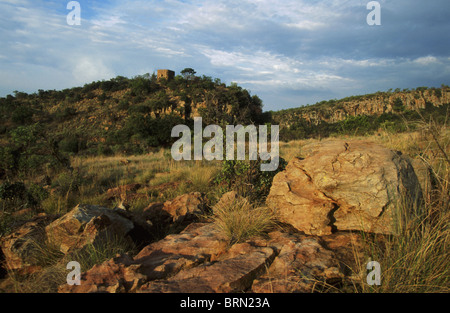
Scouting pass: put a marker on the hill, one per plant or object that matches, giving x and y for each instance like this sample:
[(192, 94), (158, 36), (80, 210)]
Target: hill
[(121, 115), (364, 114)]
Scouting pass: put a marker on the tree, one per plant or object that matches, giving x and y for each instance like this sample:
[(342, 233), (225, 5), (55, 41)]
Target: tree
[(188, 73), (398, 105)]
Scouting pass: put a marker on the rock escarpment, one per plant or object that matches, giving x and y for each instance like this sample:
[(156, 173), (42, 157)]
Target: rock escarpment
[(375, 104)]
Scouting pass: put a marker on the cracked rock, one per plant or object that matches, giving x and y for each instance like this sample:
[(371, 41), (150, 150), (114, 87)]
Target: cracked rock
[(344, 185)]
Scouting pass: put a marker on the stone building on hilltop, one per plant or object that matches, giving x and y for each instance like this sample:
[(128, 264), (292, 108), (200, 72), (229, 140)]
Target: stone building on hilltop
[(167, 74)]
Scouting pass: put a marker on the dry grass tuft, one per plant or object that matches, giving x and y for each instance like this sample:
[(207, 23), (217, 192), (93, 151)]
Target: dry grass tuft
[(241, 220)]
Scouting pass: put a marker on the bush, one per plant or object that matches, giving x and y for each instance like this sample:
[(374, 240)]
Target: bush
[(22, 115), (247, 179), (62, 114), (12, 191), (123, 105), (357, 125), (398, 105), (72, 144), (16, 195), (140, 109)]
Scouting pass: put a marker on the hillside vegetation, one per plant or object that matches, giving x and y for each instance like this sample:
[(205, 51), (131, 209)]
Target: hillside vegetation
[(122, 115)]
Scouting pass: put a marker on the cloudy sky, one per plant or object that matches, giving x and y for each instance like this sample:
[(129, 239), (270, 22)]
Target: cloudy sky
[(288, 52)]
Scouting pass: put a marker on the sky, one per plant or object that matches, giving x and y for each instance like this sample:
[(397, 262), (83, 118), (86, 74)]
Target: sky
[(288, 52)]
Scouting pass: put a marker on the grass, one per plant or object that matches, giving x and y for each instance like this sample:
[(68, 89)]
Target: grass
[(417, 259), (97, 253), (241, 220), (53, 263)]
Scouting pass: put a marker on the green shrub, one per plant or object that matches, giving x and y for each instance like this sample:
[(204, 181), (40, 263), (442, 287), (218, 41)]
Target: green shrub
[(22, 115), (63, 114), (246, 178), (17, 195), (72, 144), (398, 105)]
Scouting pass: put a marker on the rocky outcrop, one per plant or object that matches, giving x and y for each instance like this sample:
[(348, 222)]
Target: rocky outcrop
[(21, 247), (234, 273), (197, 244), (198, 260), (304, 263), (344, 185), (88, 224), (375, 104)]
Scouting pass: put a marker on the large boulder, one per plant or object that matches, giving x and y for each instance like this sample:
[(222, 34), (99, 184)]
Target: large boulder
[(344, 185), (90, 224)]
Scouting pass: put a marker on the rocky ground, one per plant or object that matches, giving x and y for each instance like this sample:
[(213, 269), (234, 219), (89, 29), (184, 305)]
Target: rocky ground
[(324, 200)]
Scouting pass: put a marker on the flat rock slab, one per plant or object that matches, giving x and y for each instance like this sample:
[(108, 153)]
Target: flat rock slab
[(230, 275)]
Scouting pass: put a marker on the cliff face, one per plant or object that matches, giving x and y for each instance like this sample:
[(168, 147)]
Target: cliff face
[(375, 104)]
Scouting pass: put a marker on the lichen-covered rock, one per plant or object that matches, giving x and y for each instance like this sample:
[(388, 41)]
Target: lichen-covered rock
[(89, 224), (344, 185), (302, 263)]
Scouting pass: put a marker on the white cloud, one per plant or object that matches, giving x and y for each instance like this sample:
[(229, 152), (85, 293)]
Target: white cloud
[(427, 60), (87, 69), (108, 21), (253, 61)]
